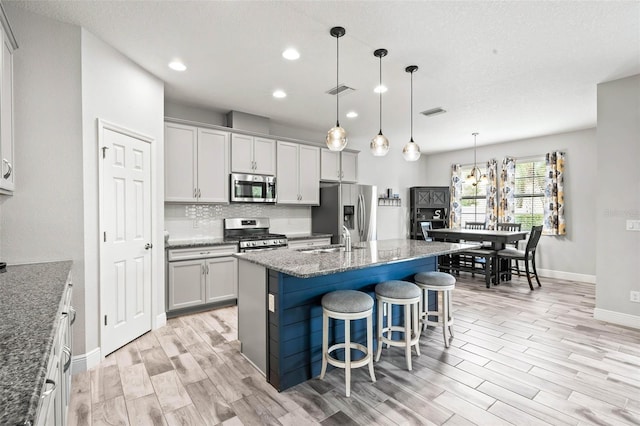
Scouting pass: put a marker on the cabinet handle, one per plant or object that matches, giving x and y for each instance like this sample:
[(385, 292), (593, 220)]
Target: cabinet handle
[(6, 175), (67, 364), (207, 269), (49, 391), (73, 313), (148, 246), (199, 193), (195, 192)]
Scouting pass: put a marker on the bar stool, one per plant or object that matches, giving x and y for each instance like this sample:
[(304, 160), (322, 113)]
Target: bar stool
[(405, 294), (347, 305), (443, 284)]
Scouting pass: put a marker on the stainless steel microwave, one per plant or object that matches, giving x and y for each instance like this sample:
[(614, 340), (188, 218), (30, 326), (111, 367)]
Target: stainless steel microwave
[(252, 188)]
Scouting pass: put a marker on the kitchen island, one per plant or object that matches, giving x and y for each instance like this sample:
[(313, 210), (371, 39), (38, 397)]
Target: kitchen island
[(279, 293)]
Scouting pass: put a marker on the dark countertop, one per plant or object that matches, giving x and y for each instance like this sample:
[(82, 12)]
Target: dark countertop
[(30, 303), (315, 263)]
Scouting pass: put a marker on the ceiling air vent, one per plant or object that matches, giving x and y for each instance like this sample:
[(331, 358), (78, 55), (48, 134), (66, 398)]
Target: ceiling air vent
[(433, 111), (341, 89)]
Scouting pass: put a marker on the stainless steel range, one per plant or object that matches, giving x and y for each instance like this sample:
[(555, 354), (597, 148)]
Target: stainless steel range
[(253, 234)]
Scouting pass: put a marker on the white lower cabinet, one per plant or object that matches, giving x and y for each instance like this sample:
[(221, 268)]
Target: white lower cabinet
[(201, 275), (56, 392)]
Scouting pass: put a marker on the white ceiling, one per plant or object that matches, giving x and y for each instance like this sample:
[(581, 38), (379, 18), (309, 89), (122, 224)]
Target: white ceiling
[(508, 70)]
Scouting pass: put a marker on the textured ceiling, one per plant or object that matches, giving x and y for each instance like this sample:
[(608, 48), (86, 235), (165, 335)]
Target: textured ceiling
[(508, 70)]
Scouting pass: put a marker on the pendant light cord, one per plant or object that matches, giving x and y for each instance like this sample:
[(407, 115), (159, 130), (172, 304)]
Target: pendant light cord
[(380, 93), (337, 80), (411, 117)]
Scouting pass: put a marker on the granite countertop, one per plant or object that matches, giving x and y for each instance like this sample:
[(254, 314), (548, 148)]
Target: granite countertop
[(315, 262), (307, 236), (175, 243), (30, 303)]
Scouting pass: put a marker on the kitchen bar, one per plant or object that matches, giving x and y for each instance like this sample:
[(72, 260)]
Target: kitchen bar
[(279, 312)]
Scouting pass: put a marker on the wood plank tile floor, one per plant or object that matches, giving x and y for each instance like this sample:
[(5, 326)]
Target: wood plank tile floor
[(518, 357)]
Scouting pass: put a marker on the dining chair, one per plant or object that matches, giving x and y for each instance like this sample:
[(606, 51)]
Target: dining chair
[(527, 255), (466, 257), (507, 226), (426, 227)]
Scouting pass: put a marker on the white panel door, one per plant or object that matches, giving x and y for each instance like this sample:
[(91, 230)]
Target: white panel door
[(242, 154), (330, 165), (264, 156), (309, 174), (213, 166), (180, 159), (287, 176), (125, 252), (222, 278)]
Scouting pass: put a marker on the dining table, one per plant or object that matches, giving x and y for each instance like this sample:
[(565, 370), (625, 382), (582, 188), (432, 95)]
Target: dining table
[(498, 240)]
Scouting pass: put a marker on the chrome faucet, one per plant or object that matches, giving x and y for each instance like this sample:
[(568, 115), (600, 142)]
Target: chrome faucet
[(346, 236)]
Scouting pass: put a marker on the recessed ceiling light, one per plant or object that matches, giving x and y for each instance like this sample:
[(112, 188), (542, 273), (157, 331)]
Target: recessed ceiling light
[(177, 66), (279, 94), (291, 54), (352, 114), (380, 89)]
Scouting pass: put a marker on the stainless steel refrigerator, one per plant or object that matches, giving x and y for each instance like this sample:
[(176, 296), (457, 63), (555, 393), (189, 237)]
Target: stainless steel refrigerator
[(351, 205)]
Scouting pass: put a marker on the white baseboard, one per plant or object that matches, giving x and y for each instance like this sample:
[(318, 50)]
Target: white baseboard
[(570, 276), (84, 362), (161, 320), (619, 318)]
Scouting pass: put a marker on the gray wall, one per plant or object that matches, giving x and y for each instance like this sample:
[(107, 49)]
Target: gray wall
[(618, 199), (117, 90), (43, 220), (572, 256)]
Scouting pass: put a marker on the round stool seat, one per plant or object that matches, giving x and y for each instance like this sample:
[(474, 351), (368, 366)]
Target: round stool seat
[(347, 301), (397, 289), (435, 279)]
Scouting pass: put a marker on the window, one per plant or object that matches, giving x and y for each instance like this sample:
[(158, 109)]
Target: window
[(473, 200), (529, 192)]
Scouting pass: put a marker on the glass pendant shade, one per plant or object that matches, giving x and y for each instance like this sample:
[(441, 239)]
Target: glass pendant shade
[(379, 145), (337, 138), (411, 151)]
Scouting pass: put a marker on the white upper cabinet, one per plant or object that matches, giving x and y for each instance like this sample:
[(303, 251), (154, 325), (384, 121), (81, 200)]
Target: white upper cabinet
[(339, 166), (298, 174), (196, 164), (349, 166), (253, 155), (7, 171), (213, 166)]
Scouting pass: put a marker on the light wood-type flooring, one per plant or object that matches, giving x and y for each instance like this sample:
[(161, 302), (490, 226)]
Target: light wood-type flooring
[(518, 357)]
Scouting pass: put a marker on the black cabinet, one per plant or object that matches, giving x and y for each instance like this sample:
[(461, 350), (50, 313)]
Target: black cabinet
[(428, 204)]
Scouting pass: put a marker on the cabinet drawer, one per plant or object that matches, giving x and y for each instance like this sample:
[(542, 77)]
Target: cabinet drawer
[(201, 252)]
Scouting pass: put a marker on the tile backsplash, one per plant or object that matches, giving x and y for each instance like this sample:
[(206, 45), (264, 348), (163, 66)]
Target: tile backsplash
[(205, 220)]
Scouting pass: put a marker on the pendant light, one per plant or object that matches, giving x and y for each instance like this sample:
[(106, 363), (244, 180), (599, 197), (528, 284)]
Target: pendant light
[(337, 136), (475, 176), (380, 144), (411, 151)]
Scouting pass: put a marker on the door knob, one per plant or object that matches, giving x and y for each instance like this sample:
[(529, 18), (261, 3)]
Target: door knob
[(148, 246)]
